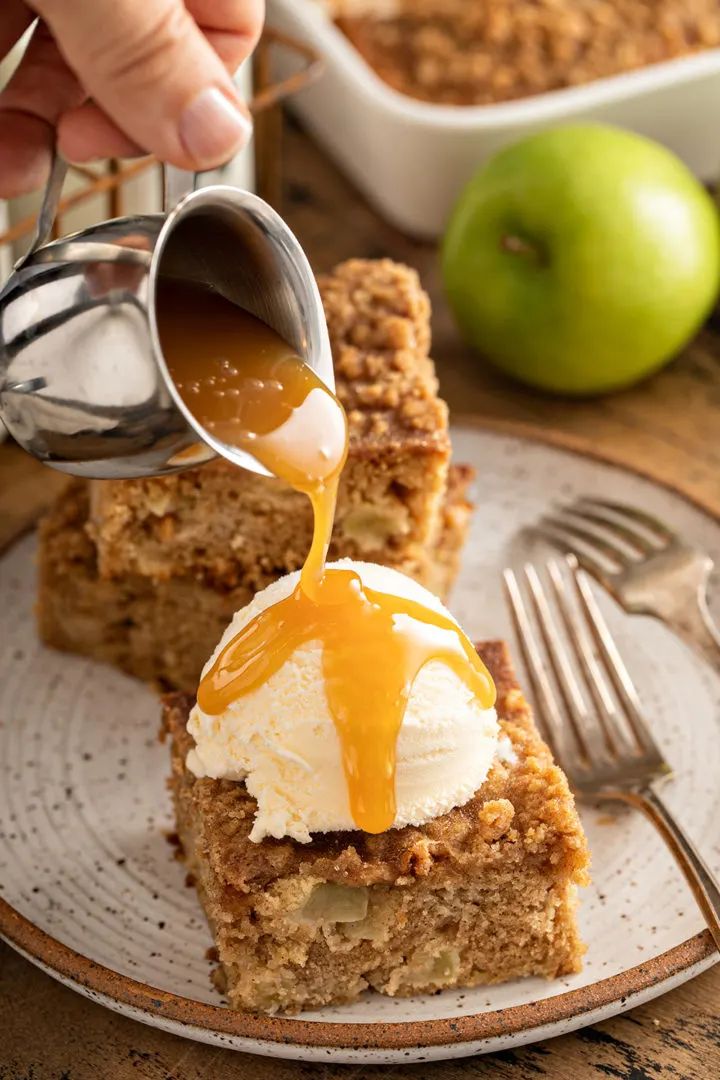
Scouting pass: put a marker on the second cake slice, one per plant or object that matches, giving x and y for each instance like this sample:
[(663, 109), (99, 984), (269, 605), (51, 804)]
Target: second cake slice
[(146, 573), (229, 526)]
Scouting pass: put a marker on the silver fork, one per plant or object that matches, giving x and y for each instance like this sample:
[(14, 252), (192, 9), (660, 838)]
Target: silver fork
[(642, 563), (598, 735)]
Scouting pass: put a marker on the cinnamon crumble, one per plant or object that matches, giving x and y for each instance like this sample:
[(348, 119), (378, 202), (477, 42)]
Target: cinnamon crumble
[(476, 52)]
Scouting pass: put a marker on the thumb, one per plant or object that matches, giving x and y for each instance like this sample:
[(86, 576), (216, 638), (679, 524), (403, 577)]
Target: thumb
[(147, 64)]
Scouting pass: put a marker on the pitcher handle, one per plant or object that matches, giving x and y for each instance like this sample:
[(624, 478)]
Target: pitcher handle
[(49, 207), (177, 183)]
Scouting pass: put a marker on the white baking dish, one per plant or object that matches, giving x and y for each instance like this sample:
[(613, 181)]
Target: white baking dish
[(412, 158)]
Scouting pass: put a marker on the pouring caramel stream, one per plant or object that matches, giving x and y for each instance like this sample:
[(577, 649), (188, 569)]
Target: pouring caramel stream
[(249, 389)]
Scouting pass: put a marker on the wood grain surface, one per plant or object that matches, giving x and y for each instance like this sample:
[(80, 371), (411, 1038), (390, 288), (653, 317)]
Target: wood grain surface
[(667, 428)]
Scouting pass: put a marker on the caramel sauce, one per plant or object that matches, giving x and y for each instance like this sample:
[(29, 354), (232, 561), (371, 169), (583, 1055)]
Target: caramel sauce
[(251, 390)]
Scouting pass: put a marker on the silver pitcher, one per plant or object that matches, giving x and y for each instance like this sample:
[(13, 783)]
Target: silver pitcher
[(84, 385)]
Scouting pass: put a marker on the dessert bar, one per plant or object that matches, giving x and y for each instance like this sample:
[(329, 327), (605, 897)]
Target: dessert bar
[(230, 526), (485, 893), (164, 631), (146, 573)]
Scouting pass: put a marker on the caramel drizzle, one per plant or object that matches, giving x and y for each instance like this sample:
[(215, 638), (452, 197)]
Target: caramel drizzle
[(369, 666), (255, 393)]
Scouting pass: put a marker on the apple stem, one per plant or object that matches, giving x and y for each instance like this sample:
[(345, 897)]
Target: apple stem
[(517, 246)]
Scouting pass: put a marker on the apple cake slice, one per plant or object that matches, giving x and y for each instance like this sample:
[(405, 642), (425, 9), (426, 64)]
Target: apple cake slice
[(164, 630), (146, 573), (483, 894), (230, 526)]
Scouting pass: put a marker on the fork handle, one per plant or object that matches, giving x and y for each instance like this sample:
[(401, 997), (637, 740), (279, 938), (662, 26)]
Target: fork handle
[(695, 625), (699, 877)]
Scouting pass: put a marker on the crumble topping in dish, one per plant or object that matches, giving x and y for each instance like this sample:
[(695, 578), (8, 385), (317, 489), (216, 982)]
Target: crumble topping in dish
[(477, 52)]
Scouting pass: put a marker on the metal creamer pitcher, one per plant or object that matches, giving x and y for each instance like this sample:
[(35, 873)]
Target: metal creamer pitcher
[(84, 385)]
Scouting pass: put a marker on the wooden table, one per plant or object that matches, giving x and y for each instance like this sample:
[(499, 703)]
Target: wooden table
[(668, 428)]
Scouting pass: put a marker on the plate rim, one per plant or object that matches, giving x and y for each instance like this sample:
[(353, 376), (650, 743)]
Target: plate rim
[(70, 966), (65, 963)]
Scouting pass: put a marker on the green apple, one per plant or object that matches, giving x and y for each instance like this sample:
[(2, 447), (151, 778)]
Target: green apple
[(581, 259)]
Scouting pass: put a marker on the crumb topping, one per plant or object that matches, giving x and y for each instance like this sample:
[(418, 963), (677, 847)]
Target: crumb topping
[(524, 811), (476, 52), (378, 319)]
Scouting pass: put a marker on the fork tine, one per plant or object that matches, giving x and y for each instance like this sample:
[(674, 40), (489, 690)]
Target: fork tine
[(565, 543), (614, 664), (618, 735), (586, 732), (549, 711), (641, 517), (639, 544), (598, 544)]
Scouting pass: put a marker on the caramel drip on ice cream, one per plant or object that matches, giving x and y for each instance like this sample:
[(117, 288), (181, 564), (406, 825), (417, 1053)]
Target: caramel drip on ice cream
[(249, 389)]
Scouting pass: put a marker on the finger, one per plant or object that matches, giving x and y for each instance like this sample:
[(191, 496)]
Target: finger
[(42, 84), (147, 64), (41, 88), (25, 153), (16, 17), (232, 27), (87, 133)]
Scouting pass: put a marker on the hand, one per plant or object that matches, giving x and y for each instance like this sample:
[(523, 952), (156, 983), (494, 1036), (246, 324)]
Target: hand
[(116, 78)]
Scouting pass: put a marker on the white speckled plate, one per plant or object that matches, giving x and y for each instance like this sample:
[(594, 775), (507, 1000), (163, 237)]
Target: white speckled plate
[(90, 891)]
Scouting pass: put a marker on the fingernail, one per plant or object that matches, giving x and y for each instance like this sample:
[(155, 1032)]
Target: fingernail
[(212, 129)]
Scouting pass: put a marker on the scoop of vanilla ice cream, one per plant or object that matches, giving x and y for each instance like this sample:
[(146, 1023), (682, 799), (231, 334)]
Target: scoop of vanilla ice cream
[(281, 740)]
